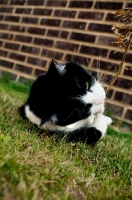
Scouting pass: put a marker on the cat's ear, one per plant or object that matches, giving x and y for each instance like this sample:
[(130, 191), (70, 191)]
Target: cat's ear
[(59, 67)]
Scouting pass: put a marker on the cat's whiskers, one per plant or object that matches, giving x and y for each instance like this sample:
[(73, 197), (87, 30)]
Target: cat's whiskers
[(106, 78), (98, 63), (104, 75), (109, 81)]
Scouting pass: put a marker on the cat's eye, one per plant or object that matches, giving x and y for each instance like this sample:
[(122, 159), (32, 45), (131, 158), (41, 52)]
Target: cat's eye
[(87, 85)]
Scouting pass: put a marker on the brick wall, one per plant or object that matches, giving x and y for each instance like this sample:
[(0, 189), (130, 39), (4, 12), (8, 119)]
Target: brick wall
[(34, 31)]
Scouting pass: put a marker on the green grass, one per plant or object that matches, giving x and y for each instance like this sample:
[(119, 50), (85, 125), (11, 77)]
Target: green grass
[(38, 168)]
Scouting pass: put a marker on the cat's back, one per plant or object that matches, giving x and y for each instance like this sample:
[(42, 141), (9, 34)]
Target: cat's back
[(38, 88)]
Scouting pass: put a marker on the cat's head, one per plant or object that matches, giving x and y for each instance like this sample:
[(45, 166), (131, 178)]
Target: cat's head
[(75, 81)]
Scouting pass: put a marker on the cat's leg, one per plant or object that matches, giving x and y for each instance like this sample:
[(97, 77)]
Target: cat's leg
[(101, 123), (92, 133), (108, 120)]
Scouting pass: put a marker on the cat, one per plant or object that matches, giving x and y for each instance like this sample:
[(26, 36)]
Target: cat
[(67, 99)]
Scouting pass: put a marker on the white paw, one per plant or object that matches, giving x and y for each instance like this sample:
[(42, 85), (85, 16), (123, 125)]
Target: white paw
[(91, 119), (108, 120), (100, 124)]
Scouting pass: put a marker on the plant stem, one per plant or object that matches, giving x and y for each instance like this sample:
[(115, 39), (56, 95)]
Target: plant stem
[(121, 64)]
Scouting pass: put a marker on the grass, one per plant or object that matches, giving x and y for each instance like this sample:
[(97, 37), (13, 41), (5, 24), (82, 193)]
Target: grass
[(40, 167)]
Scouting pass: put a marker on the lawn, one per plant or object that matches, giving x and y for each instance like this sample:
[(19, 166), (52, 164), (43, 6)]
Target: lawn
[(34, 166)]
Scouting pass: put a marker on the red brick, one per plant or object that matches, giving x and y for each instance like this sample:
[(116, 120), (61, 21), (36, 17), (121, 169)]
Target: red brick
[(128, 58), (108, 5), (3, 53), (53, 33), (6, 64), (23, 38), (128, 71), (3, 1), (23, 10), (100, 28), (78, 59), (57, 33), (36, 61), (23, 69), (107, 66), (64, 13), (17, 2), (57, 3), (6, 9), (73, 24), (12, 18), (38, 31), (115, 55), (50, 22), (17, 56), (6, 36), (83, 37), (123, 97), (110, 17), (17, 28), (3, 26), (39, 72), (93, 51), (63, 34), (66, 46), (109, 94), (12, 46), (128, 5), (124, 83), (42, 11), (43, 42), (91, 15), (80, 4), (114, 109), (1, 43), (128, 114), (35, 2), (104, 40), (1, 17), (52, 54), (30, 20), (32, 50)]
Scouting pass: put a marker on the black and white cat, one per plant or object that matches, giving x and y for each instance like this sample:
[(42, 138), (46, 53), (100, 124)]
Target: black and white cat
[(68, 99)]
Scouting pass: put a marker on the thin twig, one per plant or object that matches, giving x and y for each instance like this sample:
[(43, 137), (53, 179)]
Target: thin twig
[(124, 34), (120, 66)]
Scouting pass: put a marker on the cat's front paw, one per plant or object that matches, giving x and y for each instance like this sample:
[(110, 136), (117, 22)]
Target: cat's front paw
[(91, 119), (100, 123), (108, 120)]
